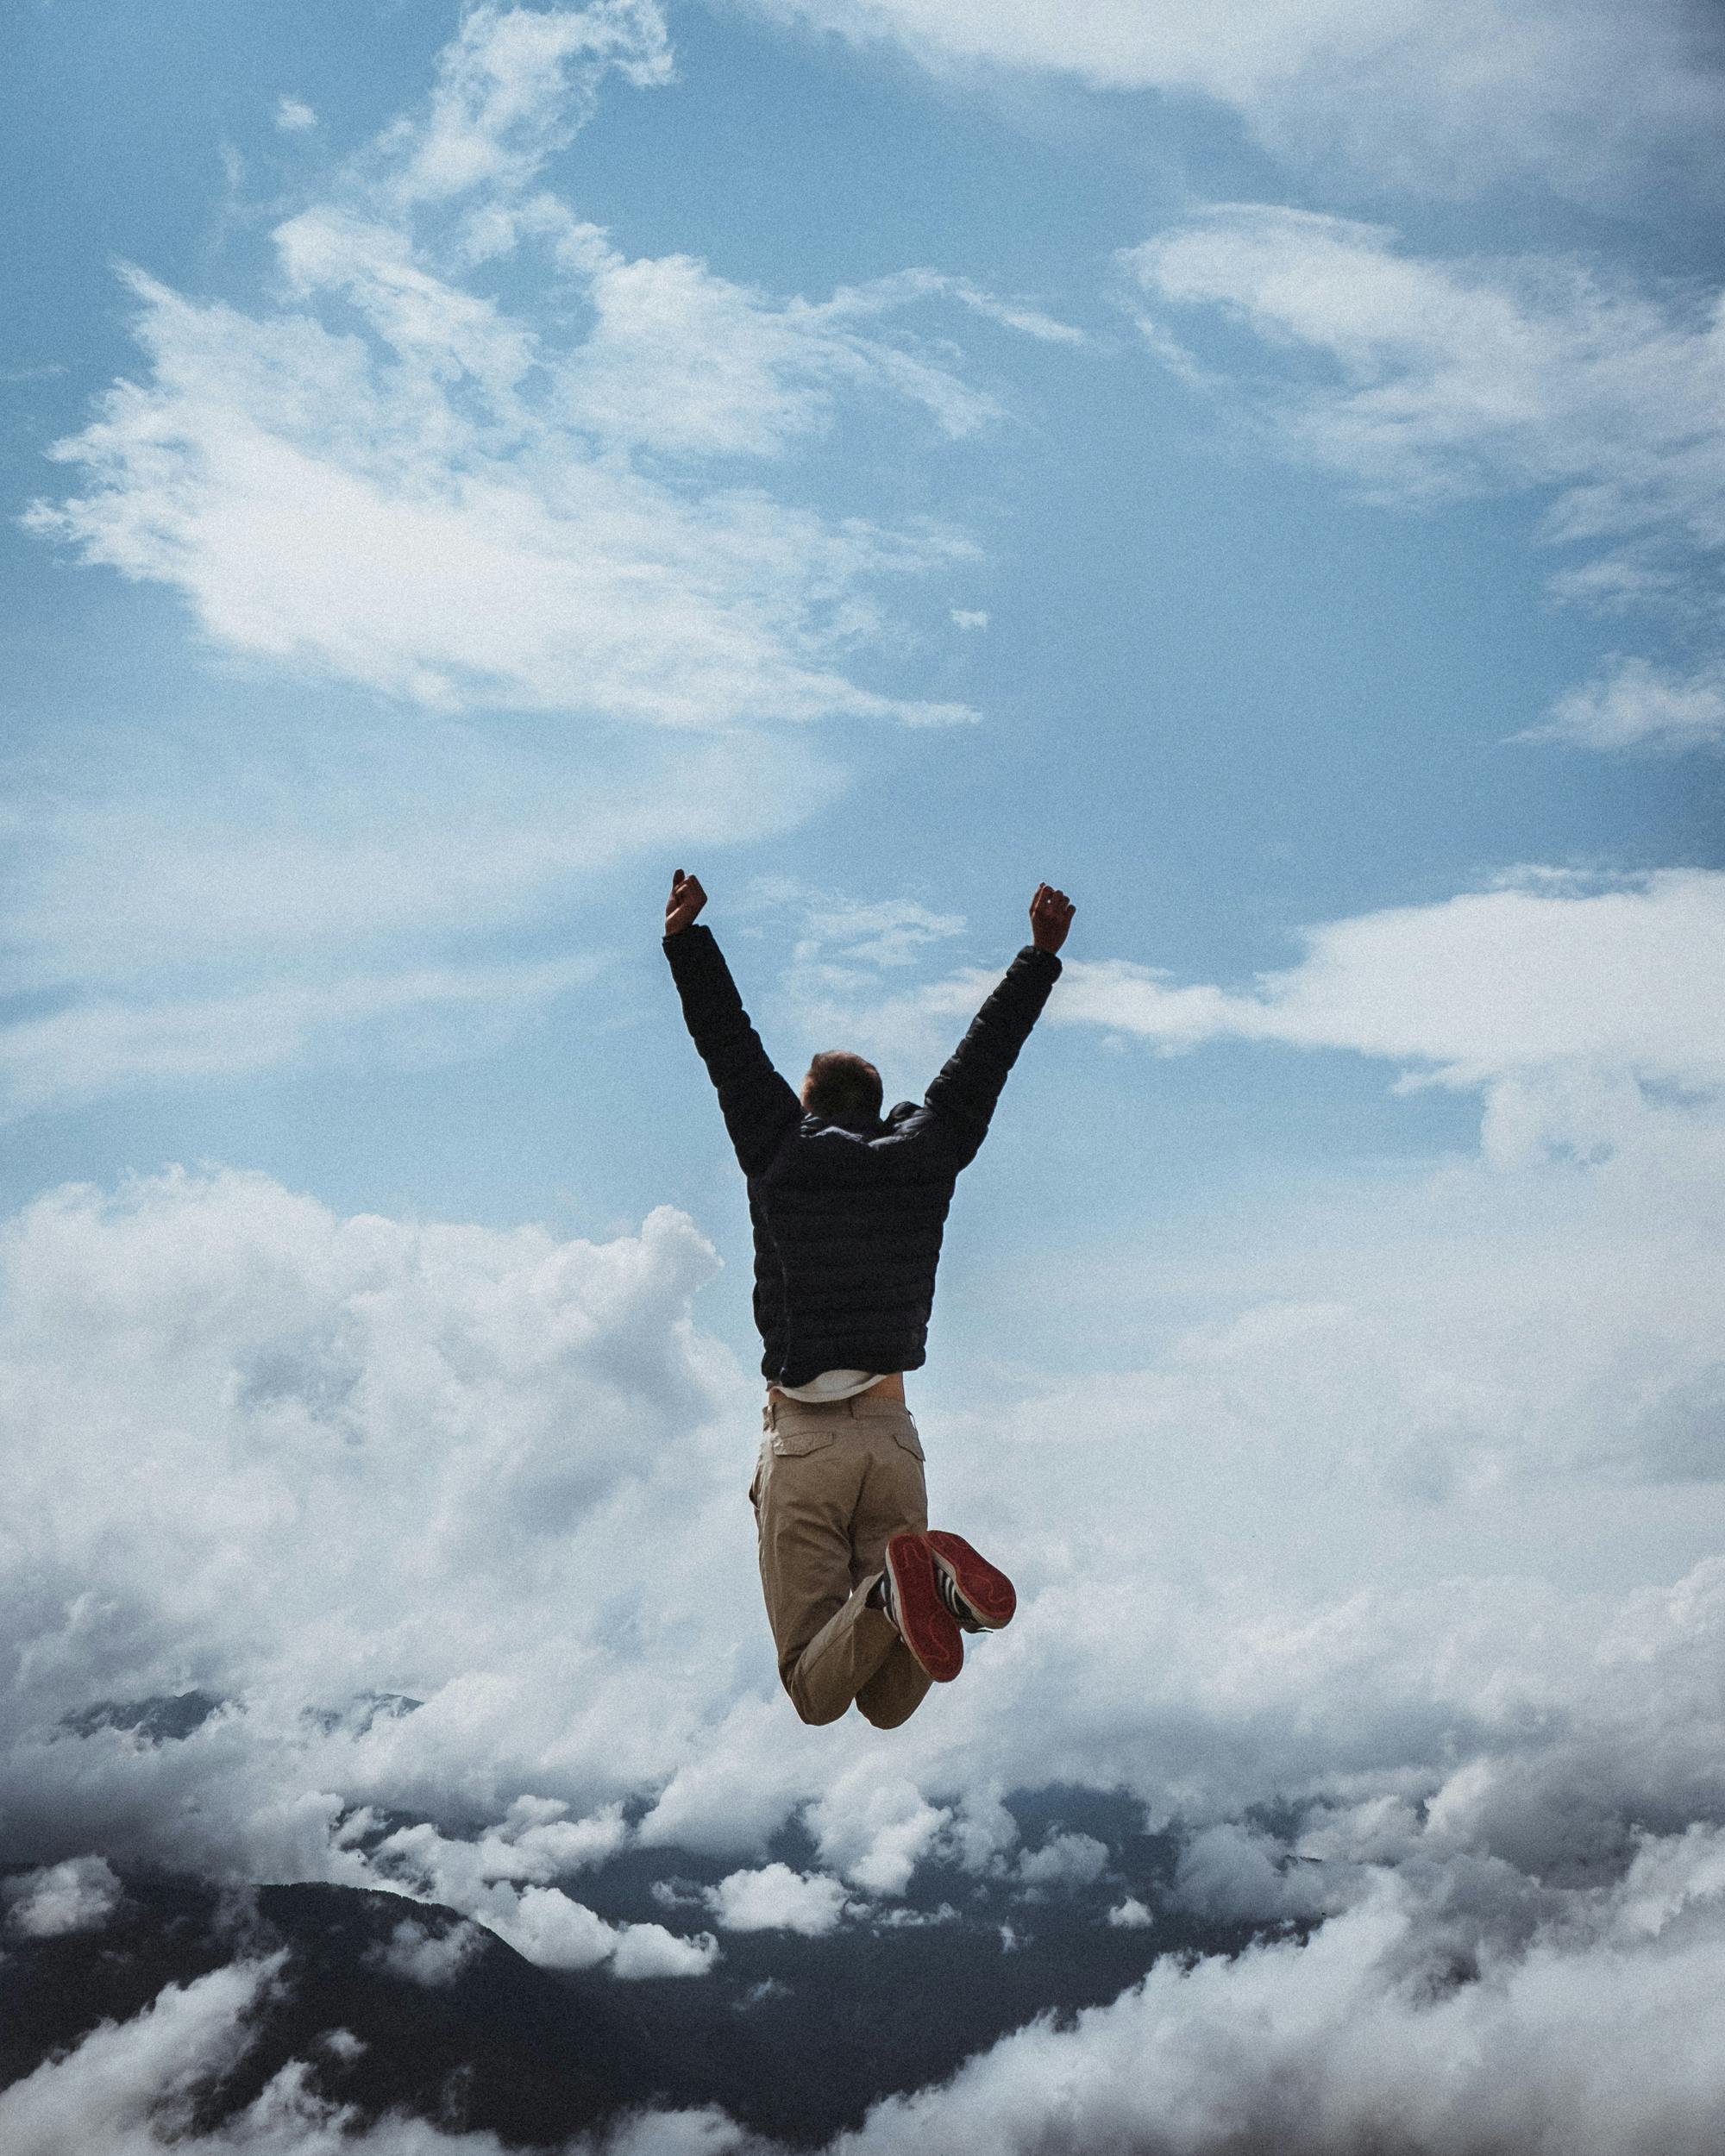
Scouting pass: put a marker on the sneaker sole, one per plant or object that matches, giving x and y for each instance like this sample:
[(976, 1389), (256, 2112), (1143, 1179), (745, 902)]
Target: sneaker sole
[(925, 1624), (990, 1594)]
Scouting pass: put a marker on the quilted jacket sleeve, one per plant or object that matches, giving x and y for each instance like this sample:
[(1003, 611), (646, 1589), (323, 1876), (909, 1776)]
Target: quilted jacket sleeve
[(757, 1103), (964, 1094)]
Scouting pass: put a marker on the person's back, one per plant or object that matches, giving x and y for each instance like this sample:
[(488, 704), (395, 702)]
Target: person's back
[(848, 1211)]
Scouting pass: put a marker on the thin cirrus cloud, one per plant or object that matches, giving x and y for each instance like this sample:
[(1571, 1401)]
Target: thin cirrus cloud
[(1428, 381), (104, 1044), (184, 912), (1449, 379), (1632, 704), (1432, 98), (454, 507)]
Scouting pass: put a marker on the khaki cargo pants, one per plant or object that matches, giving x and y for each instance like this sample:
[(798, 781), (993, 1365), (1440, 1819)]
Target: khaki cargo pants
[(833, 1483)]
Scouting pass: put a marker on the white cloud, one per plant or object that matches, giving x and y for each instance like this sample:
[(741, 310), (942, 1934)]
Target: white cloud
[(377, 474), (1632, 704), (1553, 995), (1576, 2019), (385, 478), (364, 1458), (777, 1899), (435, 1013), (178, 910), (174, 861), (326, 510), (842, 947), (293, 116), (131, 2088), (294, 1459), (1444, 377), (79, 1895), (428, 1956), (122, 2082), (1064, 1860), (1588, 2036), (1440, 97), (875, 1826), (1130, 1915), (514, 85), (1561, 996), (649, 1950)]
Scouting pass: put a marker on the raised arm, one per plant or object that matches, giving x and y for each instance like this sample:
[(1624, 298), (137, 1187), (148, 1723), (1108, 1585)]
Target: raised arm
[(757, 1103), (969, 1084)]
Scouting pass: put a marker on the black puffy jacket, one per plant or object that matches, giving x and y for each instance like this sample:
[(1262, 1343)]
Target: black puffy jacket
[(847, 1220)]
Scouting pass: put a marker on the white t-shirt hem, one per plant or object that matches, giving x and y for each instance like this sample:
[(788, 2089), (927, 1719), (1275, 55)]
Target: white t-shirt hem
[(832, 1385)]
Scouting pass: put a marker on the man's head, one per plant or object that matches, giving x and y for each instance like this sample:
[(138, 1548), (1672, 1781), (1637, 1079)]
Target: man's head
[(842, 1088)]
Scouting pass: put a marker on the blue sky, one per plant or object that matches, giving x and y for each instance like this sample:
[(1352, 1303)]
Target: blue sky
[(1260, 469), (1222, 697)]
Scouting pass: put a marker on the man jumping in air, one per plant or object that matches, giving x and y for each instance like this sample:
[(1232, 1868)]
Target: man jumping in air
[(866, 1603)]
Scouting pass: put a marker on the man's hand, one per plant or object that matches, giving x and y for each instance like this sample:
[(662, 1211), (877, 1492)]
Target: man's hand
[(1051, 916), (686, 900)]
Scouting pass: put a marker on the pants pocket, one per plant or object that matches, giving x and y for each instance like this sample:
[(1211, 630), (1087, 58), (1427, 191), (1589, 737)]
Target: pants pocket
[(791, 1445)]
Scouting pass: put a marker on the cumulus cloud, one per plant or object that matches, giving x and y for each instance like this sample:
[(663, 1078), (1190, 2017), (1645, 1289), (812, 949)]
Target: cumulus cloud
[(79, 1895), (432, 1955), (348, 1472), (449, 1522), (1588, 2036), (1429, 96), (1584, 2027), (293, 116), (777, 1899), (1632, 705), (1064, 1860), (131, 2088)]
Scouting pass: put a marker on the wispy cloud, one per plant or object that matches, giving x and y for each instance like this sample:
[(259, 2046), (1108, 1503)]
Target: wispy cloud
[(386, 476), (1438, 378), (1443, 98), (379, 475), (1631, 704), (104, 1044), (1426, 380)]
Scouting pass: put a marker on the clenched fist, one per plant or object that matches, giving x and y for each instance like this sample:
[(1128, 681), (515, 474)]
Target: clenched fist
[(1051, 916), (686, 900)]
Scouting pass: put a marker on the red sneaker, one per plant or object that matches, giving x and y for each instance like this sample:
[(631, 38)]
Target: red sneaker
[(980, 1596), (912, 1596)]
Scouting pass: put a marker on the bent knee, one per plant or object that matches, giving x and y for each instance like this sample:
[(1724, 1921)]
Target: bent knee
[(816, 1716), (889, 1717)]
